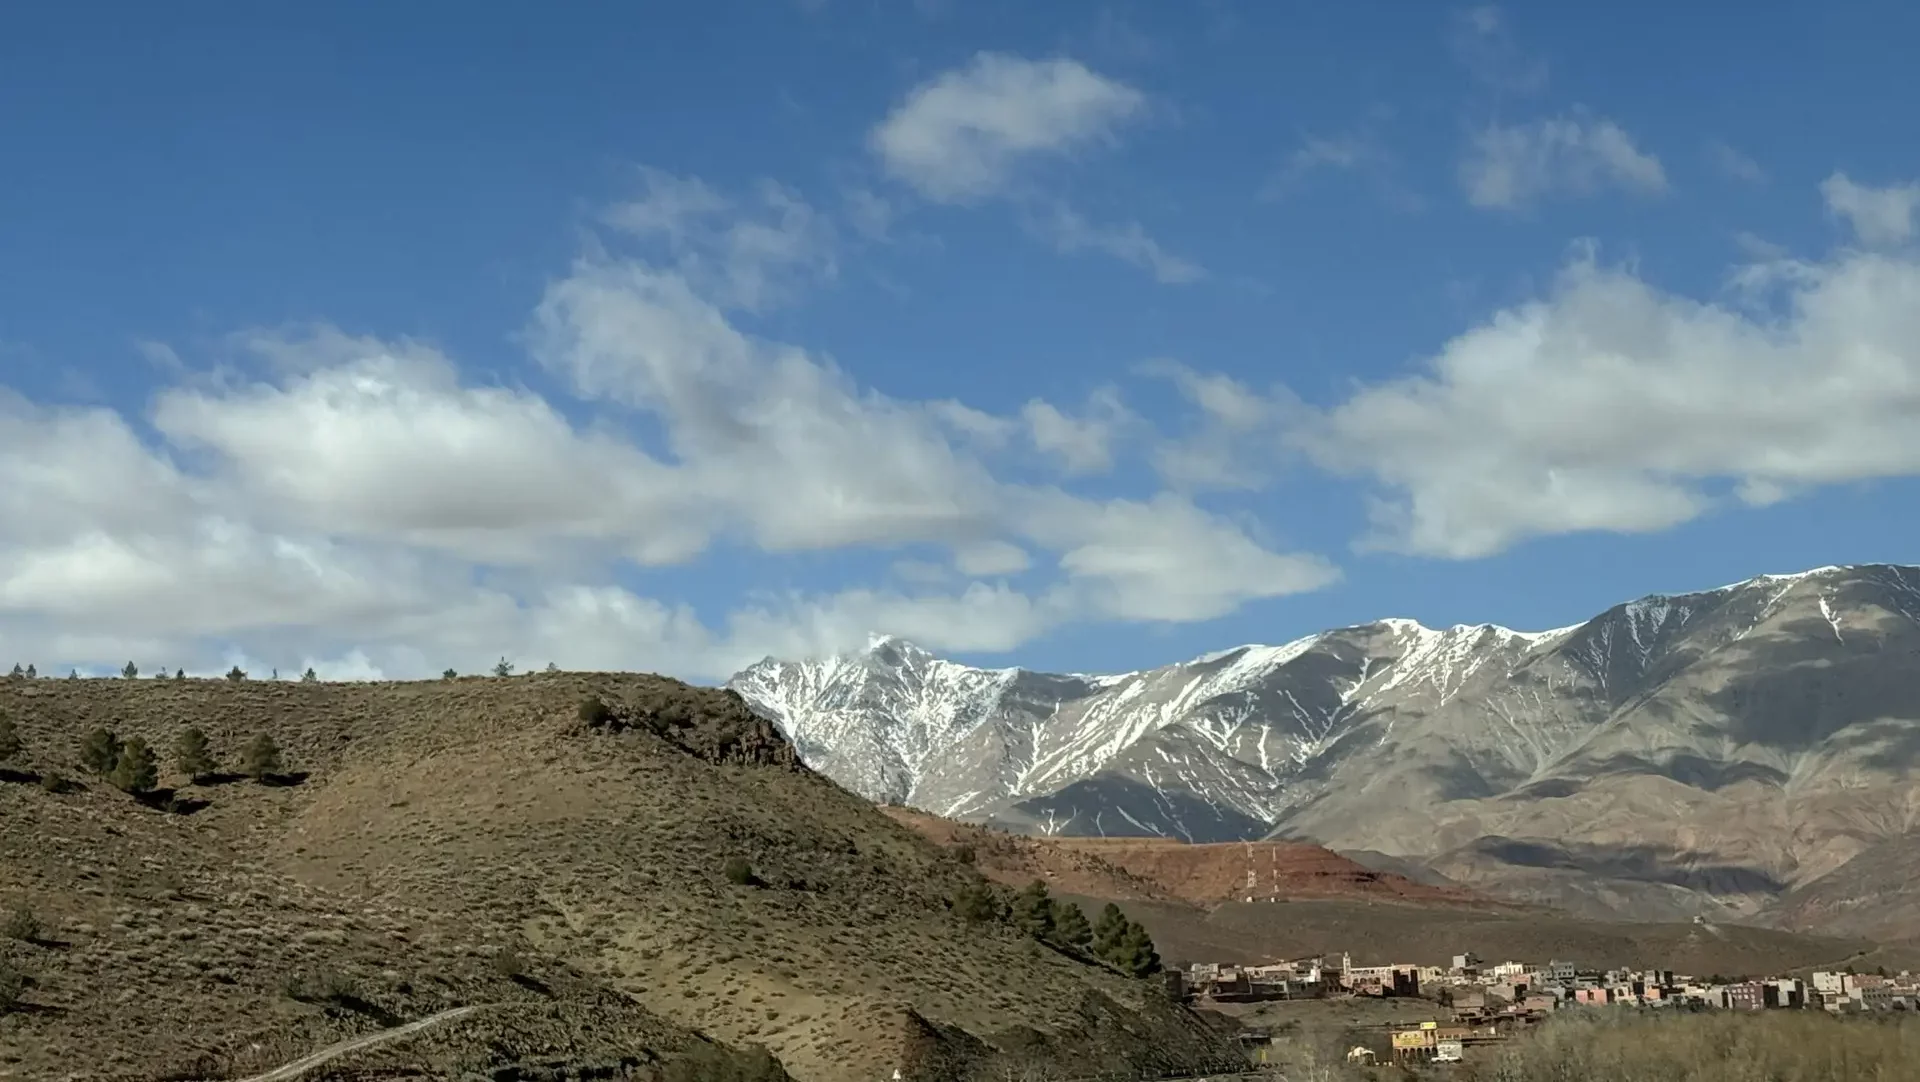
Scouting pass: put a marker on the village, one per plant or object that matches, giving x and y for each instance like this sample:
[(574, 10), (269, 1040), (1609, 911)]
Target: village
[(1476, 1002)]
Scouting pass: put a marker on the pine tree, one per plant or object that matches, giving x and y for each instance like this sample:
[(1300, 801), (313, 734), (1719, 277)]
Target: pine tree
[(552, 667), (1033, 910), (131, 671), (17, 670), (191, 755), (9, 739), (975, 903), (73, 674), (179, 674), (1108, 929), (503, 668), (100, 751), (136, 772), (1134, 954), (309, 677), (31, 671), (448, 675), (1070, 927), (263, 758), (236, 674)]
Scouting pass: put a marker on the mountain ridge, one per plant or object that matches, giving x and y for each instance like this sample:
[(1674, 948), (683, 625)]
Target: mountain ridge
[(1709, 703)]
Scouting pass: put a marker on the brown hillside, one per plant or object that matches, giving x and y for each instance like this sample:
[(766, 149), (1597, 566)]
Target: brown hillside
[(477, 842), (1159, 869)]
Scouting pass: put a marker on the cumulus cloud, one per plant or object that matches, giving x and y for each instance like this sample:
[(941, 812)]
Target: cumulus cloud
[(362, 505), (1509, 167), (961, 135), (1609, 404), (1878, 216)]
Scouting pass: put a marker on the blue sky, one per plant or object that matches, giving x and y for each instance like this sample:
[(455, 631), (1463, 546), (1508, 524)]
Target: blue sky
[(388, 337)]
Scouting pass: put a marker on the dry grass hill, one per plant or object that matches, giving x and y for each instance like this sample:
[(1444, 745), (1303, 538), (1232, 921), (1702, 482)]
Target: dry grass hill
[(485, 842)]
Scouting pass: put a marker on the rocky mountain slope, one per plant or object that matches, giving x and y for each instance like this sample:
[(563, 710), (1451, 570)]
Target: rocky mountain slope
[(624, 874), (1698, 754)]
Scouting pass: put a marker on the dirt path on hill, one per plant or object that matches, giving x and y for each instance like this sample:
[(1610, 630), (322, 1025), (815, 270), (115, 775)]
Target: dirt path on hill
[(307, 1063)]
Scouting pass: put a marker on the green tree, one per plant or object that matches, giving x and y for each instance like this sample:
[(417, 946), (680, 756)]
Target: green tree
[(1134, 954), (17, 670), (100, 751), (739, 870), (503, 667), (448, 675), (179, 674), (1032, 910), (191, 755), (1070, 927), (551, 667), (136, 772), (9, 739), (976, 903), (1107, 930), (236, 674), (31, 671), (309, 677), (131, 671), (262, 758)]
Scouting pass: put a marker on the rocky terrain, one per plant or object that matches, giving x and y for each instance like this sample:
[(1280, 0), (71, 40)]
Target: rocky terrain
[(624, 876), (1725, 754)]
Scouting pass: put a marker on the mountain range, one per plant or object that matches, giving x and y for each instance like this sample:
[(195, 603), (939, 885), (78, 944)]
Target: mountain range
[(1743, 753)]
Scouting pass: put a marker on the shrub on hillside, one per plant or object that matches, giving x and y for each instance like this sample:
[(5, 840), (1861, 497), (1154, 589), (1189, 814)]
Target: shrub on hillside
[(100, 751), (136, 771), (595, 712), (51, 782), (309, 677), (739, 870), (236, 674), (191, 756), (9, 739), (262, 758), (13, 985), (22, 925)]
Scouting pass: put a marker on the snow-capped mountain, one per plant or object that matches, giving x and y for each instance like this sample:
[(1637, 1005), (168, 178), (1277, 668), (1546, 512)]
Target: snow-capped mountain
[(1675, 754)]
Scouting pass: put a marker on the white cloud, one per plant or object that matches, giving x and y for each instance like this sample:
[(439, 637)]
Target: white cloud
[(1735, 164), (1610, 405), (1081, 444), (1878, 216), (1511, 167), (362, 506), (991, 559), (961, 136), (1128, 242)]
